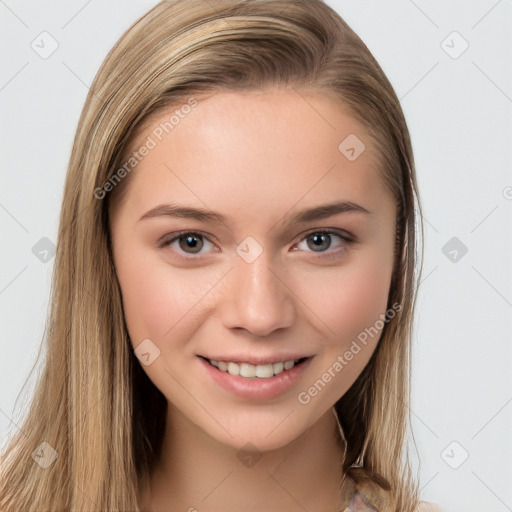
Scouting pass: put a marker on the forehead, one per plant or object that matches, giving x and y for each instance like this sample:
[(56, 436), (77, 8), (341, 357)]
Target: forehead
[(248, 151)]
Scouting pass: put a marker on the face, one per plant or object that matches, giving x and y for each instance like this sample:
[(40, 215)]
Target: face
[(269, 273)]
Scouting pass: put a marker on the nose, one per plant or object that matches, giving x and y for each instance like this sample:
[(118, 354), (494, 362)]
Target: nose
[(256, 298)]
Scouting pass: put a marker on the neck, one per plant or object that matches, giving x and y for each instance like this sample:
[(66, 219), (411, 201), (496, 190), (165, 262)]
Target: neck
[(196, 472)]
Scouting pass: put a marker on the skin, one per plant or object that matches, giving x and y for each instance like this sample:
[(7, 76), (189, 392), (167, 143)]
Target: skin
[(257, 158)]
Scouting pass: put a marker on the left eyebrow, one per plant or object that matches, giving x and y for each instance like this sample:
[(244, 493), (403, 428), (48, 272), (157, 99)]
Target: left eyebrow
[(327, 210), (302, 217)]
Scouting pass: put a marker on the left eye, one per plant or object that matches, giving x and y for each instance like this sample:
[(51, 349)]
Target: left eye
[(194, 242), (323, 239)]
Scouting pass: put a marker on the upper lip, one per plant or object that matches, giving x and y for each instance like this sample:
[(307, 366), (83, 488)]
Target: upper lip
[(258, 360)]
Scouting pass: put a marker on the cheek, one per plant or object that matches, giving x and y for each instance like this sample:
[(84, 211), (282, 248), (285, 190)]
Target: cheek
[(350, 298), (144, 308), (349, 303), (157, 302), (151, 303)]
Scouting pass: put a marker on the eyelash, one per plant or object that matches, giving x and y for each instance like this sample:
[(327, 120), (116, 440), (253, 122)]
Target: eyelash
[(322, 231)]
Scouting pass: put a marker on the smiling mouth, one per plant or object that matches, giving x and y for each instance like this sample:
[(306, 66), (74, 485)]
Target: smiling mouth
[(251, 371)]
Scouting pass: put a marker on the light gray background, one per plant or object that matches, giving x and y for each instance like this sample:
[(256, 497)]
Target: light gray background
[(459, 110)]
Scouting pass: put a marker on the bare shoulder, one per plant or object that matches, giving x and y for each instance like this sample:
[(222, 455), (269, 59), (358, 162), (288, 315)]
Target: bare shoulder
[(426, 506)]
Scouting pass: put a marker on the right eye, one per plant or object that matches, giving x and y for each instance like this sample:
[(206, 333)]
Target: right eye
[(186, 240)]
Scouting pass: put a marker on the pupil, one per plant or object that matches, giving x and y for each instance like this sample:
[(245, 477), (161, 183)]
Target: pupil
[(318, 238), (192, 243)]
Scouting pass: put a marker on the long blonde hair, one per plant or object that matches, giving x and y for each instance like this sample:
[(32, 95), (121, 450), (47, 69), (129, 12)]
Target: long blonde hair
[(93, 404)]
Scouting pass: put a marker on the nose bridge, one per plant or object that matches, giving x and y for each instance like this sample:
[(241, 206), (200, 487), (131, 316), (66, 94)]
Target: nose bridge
[(256, 298)]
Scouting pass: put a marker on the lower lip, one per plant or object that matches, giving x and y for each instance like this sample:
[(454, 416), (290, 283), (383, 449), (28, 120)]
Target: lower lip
[(256, 388)]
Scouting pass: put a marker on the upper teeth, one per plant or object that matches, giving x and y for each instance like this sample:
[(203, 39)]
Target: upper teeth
[(263, 371)]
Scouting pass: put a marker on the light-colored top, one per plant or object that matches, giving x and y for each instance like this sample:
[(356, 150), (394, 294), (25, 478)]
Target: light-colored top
[(359, 502)]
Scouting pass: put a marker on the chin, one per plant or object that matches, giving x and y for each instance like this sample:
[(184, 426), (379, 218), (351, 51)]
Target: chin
[(263, 432)]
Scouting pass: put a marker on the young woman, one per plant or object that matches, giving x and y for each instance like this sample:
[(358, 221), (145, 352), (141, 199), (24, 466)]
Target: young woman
[(235, 276)]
